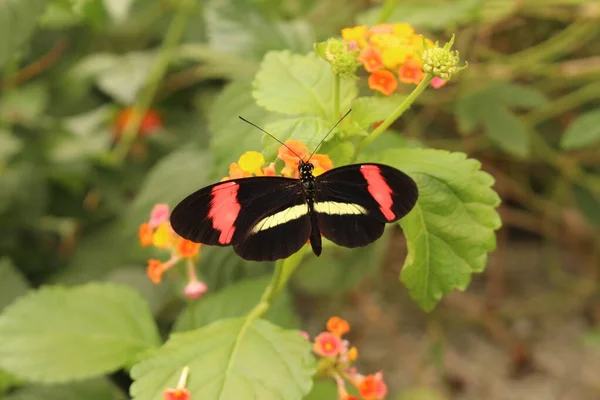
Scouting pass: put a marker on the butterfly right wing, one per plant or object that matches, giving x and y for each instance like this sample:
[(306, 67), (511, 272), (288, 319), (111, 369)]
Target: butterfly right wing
[(264, 218)]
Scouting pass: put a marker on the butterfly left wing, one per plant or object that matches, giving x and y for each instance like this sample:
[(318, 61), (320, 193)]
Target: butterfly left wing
[(263, 218), (353, 203)]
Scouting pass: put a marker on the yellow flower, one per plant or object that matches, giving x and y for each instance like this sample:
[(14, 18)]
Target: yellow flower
[(392, 57), (162, 236), (356, 34), (252, 162), (403, 29)]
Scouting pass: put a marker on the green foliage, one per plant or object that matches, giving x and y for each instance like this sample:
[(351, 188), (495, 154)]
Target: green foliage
[(25, 104), (230, 359), (237, 300), (582, 132), (12, 283), (451, 229), (97, 389), (17, 22), (492, 107), (295, 84), (57, 334)]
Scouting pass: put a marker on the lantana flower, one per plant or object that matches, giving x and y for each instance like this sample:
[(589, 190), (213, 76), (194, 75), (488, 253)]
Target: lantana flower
[(252, 163), (336, 361), (180, 392), (390, 53), (150, 122), (157, 232)]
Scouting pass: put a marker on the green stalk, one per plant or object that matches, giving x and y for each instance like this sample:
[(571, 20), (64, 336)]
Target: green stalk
[(159, 68), (336, 96), (386, 11), (395, 115)]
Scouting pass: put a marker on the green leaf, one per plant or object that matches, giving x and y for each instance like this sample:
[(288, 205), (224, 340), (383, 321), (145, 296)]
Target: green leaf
[(507, 130), (368, 110), (135, 277), (57, 334), (173, 178), (9, 145), (230, 359), (230, 136), (18, 19), (237, 27), (308, 130), (12, 283), (300, 84), (221, 267), (517, 95), (97, 389), (435, 15), (118, 9), (23, 196), (451, 228), (339, 269), (582, 132), (24, 103), (588, 203), (235, 301), (126, 78), (7, 381)]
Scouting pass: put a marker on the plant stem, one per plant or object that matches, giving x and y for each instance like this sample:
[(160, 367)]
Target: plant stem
[(159, 68), (336, 96), (386, 11), (395, 115), (281, 275)]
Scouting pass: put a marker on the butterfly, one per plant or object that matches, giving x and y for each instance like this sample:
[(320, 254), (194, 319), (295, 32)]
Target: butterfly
[(270, 218)]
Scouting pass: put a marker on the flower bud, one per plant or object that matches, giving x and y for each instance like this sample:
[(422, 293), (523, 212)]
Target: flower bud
[(441, 61), (341, 55)]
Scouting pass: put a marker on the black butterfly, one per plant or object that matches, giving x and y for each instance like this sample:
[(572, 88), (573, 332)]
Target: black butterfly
[(269, 218)]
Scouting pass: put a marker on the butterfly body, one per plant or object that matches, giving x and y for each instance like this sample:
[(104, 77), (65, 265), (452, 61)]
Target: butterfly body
[(269, 218)]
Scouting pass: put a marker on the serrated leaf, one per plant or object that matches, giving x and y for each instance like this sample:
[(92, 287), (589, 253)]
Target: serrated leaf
[(235, 301), (230, 136), (97, 389), (174, 177), (24, 103), (506, 130), (12, 283), (237, 27), (339, 269), (308, 130), (451, 228), (230, 359), (368, 110), (57, 334), (582, 132), (295, 84), (18, 19)]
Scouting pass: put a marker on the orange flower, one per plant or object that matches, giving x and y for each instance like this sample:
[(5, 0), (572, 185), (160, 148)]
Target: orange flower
[(371, 59), (176, 394), (151, 121), (236, 172), (352, 354), (383, 81), (322, 163), (338, 326), (327, 344), (411, 72), (288, 157), (270, 170), (372, 387), (145, 235), (187, 248), (155, 270)]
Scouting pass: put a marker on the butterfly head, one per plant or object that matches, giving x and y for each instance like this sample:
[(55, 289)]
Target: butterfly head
[(305, 169)]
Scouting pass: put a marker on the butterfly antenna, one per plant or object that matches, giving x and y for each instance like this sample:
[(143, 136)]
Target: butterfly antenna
[(331, 130), (261, 129)]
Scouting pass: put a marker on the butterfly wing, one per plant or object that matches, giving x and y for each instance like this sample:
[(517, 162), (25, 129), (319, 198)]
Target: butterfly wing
[(353, 203), (263, 218)]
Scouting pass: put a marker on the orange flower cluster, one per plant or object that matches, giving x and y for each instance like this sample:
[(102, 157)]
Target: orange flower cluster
[(157, 232), (252, 163), (387, 51), (337, 358), (180, 392)]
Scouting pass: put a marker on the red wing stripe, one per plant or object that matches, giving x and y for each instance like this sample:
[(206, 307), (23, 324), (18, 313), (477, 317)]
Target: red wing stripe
[(224, 210), (379, 189)]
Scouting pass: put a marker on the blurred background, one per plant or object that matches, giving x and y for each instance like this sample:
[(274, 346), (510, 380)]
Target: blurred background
[(74, 189)]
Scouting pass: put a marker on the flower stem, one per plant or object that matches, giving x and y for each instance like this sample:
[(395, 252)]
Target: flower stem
[(336, 96), (156, 74), (386, 11), (395, 115)]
